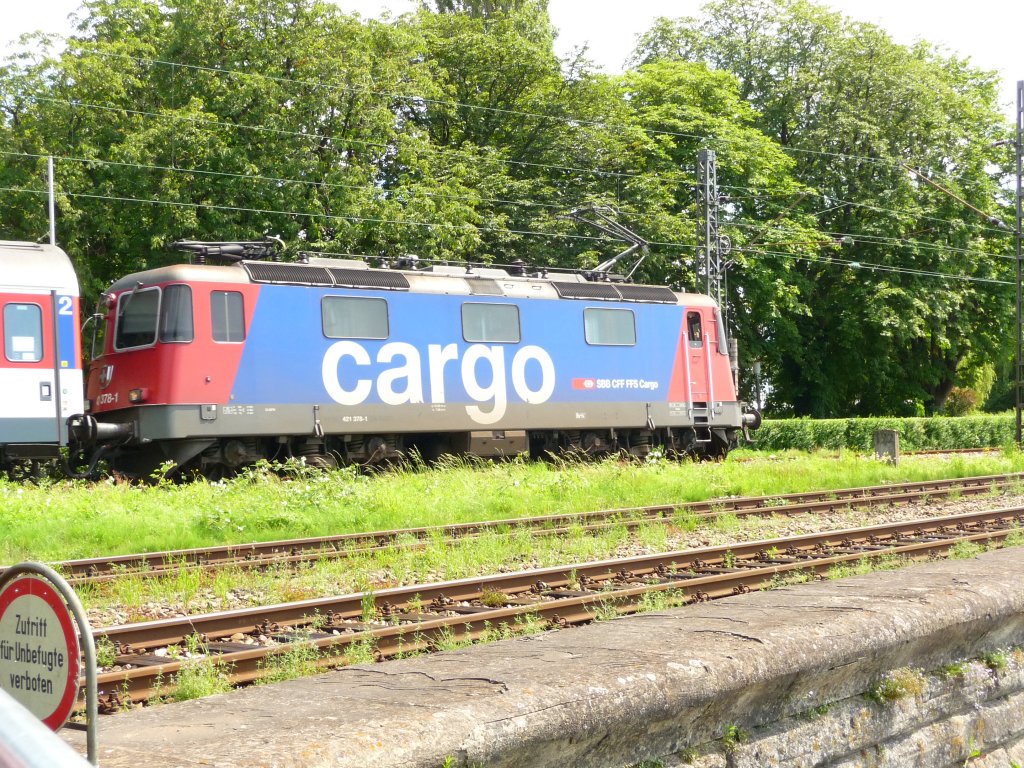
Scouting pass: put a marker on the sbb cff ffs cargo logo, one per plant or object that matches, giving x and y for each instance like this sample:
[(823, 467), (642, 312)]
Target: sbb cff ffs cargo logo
[(38, 650)]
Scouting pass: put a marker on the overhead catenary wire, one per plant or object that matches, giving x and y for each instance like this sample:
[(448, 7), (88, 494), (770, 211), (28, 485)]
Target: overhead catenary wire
[(335, 216), (855, 264), (392, 194), (845, 263), (764, 195), (874, 240)]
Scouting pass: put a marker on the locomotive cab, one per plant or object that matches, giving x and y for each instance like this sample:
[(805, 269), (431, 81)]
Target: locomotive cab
[(40, 372)]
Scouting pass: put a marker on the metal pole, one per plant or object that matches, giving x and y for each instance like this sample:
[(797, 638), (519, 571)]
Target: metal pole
[(1020, 269), (53, 218)]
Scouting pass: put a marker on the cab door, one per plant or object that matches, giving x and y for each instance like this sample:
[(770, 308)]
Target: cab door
[(27, 370), (697, 353)]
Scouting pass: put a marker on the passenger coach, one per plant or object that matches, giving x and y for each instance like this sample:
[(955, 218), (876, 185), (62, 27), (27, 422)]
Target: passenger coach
[(40, 368), (213, 367)]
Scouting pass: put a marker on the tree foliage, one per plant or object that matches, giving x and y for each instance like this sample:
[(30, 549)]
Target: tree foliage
[(456, 132), (857, 112)]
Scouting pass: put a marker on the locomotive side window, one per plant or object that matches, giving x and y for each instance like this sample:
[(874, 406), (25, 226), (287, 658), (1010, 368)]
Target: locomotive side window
[(490, 323), (609, 327), (176, 314), (136, 318), (723, 346), (23, 333), (227, 311), (694, 330), (350, 317)]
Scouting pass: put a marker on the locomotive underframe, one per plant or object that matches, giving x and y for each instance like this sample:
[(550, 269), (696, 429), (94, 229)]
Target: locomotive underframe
[(212, 439)]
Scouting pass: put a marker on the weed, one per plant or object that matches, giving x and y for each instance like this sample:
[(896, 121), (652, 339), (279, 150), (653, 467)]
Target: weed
[(493, 598), (446, 640), (603, 611), (1014, 538), (815, 712), (368, 606), (732, 738), (198, 677), (300, 660), (360, 652), (106, 652), (954, 669), (997, 660), (787, 578), (898, 684), (965, 550), (687, 756)]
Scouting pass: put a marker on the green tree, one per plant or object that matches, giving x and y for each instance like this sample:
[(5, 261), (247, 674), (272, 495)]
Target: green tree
[(855, 110)]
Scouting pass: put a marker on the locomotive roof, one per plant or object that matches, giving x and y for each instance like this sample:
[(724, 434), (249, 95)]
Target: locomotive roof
[(36, 268), (440, 279)]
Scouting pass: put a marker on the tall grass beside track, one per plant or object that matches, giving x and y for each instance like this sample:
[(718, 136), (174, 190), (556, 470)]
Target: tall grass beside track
[(59, 520)]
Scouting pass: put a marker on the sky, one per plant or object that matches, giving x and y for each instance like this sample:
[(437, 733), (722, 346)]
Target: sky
[(990, 32)]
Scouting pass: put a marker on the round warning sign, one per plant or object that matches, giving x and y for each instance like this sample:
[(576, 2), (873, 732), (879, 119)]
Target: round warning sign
[(38, 650)]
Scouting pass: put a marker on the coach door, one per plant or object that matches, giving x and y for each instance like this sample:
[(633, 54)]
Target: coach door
[(697, 352), (30, 397)]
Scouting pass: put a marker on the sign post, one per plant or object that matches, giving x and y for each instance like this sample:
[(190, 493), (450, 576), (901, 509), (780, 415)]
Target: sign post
[(40, 648)]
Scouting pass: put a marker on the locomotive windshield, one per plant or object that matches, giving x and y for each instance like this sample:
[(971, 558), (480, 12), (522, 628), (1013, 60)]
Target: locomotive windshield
[(136, 318)]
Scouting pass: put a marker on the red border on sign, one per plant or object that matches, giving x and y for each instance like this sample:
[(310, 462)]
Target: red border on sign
[(36, 587)]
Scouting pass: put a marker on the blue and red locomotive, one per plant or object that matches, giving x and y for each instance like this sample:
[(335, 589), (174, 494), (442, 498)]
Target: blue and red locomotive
[(213, 367)]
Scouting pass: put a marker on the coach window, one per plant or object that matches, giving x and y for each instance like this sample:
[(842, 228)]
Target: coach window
[(490, 323), (176, 314), (694, 330), (609, 327), (136, 318), (350, 317), (23, 333), (227, 311)]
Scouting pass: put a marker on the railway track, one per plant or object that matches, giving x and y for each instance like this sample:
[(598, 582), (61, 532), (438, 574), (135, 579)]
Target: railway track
[(294, 551), (246, 643)]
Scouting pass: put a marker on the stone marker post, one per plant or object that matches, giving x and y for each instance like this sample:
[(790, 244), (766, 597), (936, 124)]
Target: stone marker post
[(887, 445)]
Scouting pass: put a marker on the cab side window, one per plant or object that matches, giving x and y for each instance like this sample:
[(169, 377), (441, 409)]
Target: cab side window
[(176, 314), (23, 333), (694, 331), (227, 311)]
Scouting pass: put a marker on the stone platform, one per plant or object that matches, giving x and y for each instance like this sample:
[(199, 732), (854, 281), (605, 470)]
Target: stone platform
[(770, 678)]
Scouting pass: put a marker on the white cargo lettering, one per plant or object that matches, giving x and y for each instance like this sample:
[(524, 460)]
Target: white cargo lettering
[(332, 359), (438, 356), (482, 370), (547, 371), (496, 390), (413, 392)]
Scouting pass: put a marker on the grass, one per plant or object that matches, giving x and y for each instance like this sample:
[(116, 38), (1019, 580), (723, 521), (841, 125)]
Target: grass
[(58, 520), (122, 518)]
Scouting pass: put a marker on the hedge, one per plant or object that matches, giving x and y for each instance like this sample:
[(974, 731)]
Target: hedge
[(916, 434)]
